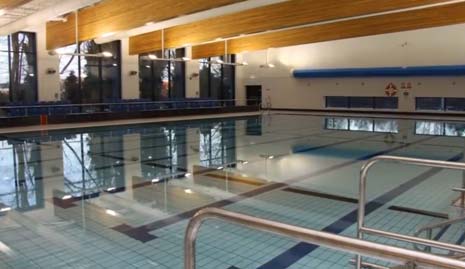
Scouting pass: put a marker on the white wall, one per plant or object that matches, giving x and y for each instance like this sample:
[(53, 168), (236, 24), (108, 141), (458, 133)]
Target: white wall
[(436, 46)]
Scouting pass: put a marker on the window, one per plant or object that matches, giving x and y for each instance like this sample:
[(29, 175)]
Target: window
[(386, 103), (162, 80), (436, 128), (361, 102), (337, 101), (217, 81), (91, 79), (18, 70), (429, 103), (454, 104)]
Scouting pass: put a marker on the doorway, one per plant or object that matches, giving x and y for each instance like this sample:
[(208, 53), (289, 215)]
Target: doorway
[(254, 95)]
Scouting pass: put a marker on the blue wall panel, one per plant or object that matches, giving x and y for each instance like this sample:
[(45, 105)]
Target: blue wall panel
[(445, 70)]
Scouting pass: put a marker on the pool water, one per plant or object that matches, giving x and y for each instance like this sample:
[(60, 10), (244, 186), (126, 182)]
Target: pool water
[(120, 197)]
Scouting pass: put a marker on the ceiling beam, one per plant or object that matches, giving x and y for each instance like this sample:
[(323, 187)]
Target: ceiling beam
[(271, 17), (120, 15), (380, 24)]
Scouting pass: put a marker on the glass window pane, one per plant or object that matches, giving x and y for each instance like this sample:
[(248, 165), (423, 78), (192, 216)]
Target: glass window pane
[(455, 104), (429, 103), (386, 102), (4, 78), (69, 75), (337, 102), (455, 129), (361, 102)]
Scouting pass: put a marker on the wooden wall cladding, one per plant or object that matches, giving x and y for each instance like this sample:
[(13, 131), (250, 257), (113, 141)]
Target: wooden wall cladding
[(272, 17), (119, 15), (10, 4), (381, 24)]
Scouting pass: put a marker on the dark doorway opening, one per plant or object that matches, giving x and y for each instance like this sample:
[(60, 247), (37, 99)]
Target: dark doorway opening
[(254, 95)]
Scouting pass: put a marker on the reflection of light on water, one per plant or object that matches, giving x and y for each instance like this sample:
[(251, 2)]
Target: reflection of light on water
[(6, 249)]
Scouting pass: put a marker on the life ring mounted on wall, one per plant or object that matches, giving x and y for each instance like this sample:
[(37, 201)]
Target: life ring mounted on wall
[(391, 90)]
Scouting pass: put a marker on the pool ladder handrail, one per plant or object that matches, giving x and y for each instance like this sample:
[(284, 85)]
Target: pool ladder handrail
[(361, 229), (333, 241)]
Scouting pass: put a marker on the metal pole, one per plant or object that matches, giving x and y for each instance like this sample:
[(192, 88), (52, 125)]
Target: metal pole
[(333, 241)]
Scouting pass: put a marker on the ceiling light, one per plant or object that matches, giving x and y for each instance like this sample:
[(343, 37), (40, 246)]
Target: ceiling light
[(188, 175), (155, 180), (245, 162), (245, 63), (147, 66), (111, 189), (149, 23), (66, 197), (271, 157), (153, 57), (186, 59), (115, 66), (219, 39), (108, 34), (220, 168), (271, 65), (107, 54), (188, 191), (2, 12)]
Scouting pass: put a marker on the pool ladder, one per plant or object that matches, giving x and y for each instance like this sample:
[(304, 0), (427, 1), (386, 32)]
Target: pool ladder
[(409, 259)]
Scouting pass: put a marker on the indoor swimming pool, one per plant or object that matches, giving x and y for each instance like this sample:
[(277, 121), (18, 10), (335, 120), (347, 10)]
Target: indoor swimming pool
[(121, 196)]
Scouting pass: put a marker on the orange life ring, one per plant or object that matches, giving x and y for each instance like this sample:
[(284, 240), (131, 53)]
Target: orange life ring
[(391, 90)]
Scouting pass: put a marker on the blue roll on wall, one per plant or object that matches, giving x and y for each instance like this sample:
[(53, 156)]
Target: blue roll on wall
[(445, 70)]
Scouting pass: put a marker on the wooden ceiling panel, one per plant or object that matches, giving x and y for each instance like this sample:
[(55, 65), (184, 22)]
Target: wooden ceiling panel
[(119, 15), (10, 4), (382, 24), (272, 17)]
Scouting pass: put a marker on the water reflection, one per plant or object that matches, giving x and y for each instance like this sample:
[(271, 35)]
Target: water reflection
[(436, 128), (362, 125), (21, 178)]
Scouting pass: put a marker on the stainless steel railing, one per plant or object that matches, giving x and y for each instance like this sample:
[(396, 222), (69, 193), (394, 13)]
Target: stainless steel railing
[(337, 242), (361, 229)]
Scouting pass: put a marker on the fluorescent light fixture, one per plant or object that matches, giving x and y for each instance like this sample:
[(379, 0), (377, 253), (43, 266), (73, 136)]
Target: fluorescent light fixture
[(271, 157), (111, 212), (149, 23), (186, 59), (152, 57), (148, 66), (107, 54), (245, 162), (5, 209), (111, 189), (108, 34), (188, 191), (219, 39), (220, 168), (155, 180), (244, 63), (67, 197)]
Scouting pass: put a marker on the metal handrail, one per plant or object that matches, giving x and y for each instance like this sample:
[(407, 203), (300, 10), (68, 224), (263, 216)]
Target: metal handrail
[(361, 229), (333, 241), (429, 230)]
